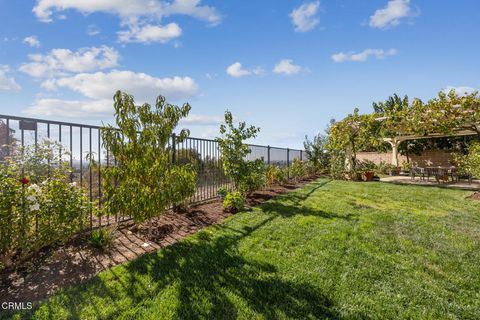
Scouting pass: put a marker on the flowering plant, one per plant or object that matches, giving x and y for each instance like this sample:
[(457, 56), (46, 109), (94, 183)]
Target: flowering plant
[(38, 204)]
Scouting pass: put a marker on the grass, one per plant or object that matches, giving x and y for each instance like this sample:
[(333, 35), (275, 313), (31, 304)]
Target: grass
[(332, 249)]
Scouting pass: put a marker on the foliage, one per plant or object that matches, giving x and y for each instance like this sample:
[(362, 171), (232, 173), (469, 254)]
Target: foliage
[(297, 169), (366, 166), (282, 175), (254, 178), (392, 104), (7, 140), (271, 175), (145, 182), (188, 155), (470, 163), (385, 168), (234, 150), (317, 152), (102, 238), (234, 202), (38, 205), (312, 170), (337, 164), (354, 133), (222, 192), (406, 166), (448, 113)]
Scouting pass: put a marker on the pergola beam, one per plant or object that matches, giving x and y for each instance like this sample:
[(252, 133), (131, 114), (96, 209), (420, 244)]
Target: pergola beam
[(395, 141)]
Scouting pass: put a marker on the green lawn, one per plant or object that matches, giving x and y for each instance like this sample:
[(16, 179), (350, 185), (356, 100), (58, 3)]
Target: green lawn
[(330, 250)]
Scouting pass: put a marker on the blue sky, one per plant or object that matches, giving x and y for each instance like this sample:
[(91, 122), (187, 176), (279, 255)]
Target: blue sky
[(286, 66)]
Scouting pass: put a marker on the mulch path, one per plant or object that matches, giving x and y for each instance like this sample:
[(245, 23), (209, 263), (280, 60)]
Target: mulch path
[(77, 261)]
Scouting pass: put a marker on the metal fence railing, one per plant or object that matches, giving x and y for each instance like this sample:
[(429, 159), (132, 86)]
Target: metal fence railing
[(81, 140)]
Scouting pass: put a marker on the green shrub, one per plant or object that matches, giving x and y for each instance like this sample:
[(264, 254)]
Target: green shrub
[(234, 202), (337, 164), (470, 163), (317, 155), (255, 177), (282, 176), (36, 211), (311, 169), (366, 166), (102, 238), (271, 175), (222, 192), (297, 170)]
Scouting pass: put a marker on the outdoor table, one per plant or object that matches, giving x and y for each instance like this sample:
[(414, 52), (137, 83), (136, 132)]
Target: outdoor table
[(441, 173)]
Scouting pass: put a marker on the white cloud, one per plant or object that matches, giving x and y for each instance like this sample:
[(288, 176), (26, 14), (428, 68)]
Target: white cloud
[(364, 55), (202, 120), (286, 66), (93, 30), (64, 61), (141, 16), (210, 76), (129, 10), (304, 18), (236, 70), (143, 87), (32, 41), (391, 14), (461, 90), (150, 33), (93, 109), (7, 82)]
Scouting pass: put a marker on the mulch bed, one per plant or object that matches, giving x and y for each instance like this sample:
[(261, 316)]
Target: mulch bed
[(77, 261), (475, 196)]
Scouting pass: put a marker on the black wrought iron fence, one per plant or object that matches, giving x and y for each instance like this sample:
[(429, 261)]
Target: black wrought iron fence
[(87, 156)]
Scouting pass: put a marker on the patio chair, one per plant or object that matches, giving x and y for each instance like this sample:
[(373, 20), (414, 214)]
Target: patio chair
[(417, 171)]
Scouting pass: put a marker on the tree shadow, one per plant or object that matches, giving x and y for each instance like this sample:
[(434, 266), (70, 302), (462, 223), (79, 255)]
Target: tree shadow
[(209, 276), (210, 272), (293, 204)]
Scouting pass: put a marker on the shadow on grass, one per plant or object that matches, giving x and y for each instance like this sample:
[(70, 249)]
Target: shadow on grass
[(214, 270), (292, 204), (209, 278)]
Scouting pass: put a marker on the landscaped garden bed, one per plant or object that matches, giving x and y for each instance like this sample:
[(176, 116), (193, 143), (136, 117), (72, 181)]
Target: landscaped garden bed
[(78, 261)]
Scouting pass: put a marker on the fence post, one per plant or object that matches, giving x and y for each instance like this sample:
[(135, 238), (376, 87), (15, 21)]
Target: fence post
[(288, 163), (174, 159), (301, 155), (174, 148), (268, 154)]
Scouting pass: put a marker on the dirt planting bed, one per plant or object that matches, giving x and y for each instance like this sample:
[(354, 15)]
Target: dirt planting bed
[(77, 261), (475, 196)]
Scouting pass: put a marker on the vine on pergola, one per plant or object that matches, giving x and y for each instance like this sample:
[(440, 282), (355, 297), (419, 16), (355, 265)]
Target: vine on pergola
[(396, 119)]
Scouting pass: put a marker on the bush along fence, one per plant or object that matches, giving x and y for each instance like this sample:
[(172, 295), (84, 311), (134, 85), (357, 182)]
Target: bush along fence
[(78, 151)]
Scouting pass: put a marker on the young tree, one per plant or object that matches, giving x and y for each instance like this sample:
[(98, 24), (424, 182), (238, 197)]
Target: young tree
[(145, 182), (234, 150), (392, 104), (316, 151), (354, 133)]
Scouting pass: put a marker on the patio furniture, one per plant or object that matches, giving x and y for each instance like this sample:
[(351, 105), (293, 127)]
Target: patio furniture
[(442, 173), (417, 171)]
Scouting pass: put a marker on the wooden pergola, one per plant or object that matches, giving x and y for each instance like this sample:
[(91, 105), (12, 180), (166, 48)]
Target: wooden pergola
[(395, 141)]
